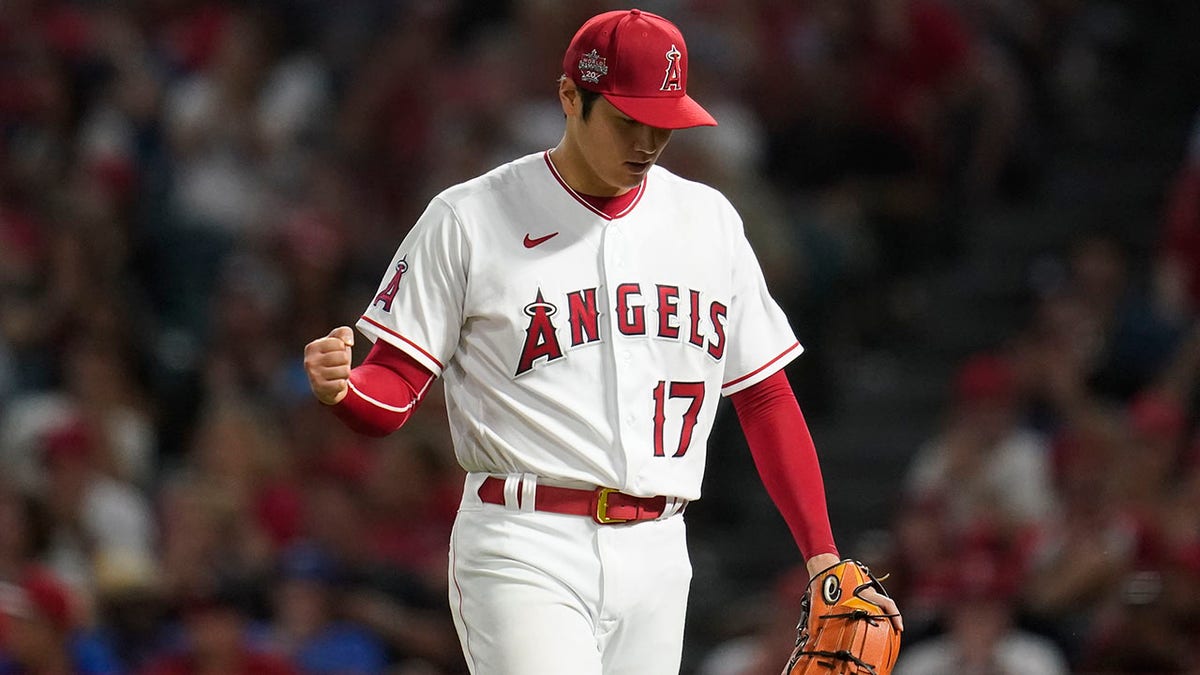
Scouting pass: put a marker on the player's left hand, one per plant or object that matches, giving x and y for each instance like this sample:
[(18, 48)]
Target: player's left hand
[(824, 561), (887, 604), (842, 628)]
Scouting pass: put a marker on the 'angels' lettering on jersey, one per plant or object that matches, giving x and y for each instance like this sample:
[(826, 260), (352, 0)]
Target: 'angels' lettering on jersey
[(592, 357), (705, 323)]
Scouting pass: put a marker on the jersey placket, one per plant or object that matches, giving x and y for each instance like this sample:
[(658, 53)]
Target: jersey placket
[(617, 247)]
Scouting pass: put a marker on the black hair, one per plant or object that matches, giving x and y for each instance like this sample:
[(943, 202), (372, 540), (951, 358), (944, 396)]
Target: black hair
[(587, 99)]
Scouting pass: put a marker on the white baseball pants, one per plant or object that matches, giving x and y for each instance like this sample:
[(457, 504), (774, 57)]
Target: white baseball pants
[(537, 593)]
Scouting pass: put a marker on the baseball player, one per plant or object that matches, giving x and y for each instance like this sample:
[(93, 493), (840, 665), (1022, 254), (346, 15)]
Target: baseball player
[(585, 309)]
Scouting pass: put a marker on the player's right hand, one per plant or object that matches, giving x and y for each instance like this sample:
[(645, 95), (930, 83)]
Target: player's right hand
[(327, 363)]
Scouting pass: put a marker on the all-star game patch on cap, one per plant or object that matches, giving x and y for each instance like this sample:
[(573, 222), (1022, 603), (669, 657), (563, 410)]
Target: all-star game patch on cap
[(638, 61)]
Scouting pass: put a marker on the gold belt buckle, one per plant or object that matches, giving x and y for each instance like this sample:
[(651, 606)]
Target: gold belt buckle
[(601, 515)]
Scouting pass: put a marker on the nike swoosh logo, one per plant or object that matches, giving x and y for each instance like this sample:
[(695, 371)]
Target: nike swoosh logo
[(530, 243)]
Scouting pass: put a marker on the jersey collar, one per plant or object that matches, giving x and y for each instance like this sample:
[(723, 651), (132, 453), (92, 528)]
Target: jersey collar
[(608, 208)]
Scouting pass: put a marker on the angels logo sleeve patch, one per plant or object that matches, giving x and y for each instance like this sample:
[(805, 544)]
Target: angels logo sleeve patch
[(418, 306)]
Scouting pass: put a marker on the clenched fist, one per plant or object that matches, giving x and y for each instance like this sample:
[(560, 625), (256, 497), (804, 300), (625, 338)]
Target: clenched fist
[(327, 363)]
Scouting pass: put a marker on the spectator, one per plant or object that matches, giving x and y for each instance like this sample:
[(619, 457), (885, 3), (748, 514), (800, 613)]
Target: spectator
[(22, 536), (981, 638), (984, 463), (412, 495), (1137, 632), (395, 602), (207, 534), (1086, 548), (1135, 336), (100, 381), (1176, 276), (920, 557), (1153, 459), (130, 606), (307, 625), (216, 638), (239, 450), (771, 635), (39, 620), (90, 511), (40, 630)]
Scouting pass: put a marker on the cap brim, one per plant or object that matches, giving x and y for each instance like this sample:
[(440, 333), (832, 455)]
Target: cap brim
[(673, 112)]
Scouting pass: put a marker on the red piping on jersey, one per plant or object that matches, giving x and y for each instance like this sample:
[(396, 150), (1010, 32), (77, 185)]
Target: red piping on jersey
[(641, 189), (408, 342), (761, 368)]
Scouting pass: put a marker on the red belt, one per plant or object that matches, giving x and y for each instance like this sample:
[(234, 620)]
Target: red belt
[(606, 506)]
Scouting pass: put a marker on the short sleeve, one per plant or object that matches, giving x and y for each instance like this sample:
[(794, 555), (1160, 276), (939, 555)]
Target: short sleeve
[(761, 341), (418, 307)]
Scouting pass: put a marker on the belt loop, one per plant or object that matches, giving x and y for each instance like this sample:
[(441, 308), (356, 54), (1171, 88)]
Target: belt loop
[(528, 492), (471, 485), (512, 484), (674, 506)]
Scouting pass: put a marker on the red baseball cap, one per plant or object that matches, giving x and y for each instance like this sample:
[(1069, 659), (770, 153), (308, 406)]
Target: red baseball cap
[(41, 596), (638, 61), (1157, 417), (986, 377)]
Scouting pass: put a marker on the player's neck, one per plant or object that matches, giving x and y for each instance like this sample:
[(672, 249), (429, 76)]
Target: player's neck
[(576, 173)]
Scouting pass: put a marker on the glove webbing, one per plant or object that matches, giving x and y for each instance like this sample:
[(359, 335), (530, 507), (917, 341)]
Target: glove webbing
[(858, 614), (841, 654)]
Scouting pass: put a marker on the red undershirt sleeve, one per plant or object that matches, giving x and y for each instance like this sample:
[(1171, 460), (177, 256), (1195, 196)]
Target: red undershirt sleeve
[(786, 459), (384, 391)]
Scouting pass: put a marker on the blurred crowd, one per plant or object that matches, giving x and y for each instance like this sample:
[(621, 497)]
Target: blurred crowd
[(1052, 523), (191, 190)]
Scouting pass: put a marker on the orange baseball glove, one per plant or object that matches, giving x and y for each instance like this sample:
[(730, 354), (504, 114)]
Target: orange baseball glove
[(840, 633)]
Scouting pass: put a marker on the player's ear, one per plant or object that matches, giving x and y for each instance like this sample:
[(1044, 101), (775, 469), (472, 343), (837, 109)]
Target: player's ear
[(568, 96)]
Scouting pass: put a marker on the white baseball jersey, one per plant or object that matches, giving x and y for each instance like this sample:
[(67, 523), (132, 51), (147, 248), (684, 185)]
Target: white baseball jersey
[(578, 347)]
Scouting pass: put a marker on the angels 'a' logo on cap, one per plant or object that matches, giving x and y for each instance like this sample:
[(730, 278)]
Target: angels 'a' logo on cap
[(592, 67), (671, 81)]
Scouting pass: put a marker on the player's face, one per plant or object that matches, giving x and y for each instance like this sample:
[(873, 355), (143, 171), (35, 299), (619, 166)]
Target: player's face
[(613, 153)]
